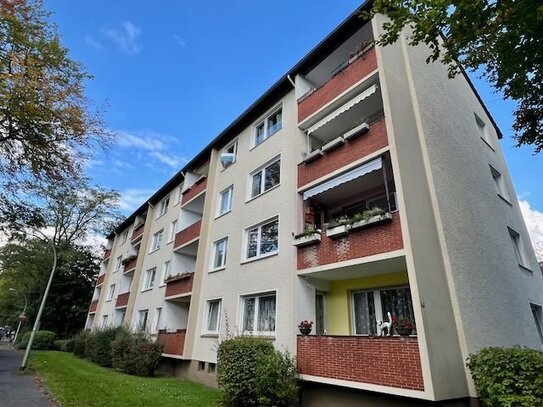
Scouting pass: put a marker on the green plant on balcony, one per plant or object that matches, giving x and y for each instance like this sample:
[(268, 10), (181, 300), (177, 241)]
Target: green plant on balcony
[(403, 326), (308, 231), (366, 215), (305, 327)]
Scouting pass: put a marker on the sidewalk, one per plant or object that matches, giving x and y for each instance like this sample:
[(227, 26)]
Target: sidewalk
[(17, 390)]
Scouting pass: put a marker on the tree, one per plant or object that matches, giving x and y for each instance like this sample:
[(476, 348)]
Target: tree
[(47, 125), (502, 38)]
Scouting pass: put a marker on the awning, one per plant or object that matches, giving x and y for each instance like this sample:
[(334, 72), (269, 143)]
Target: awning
[(342, 109), (364, 169)]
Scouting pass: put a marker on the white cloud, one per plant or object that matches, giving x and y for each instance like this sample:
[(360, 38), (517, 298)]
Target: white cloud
[(146, 140), (534, 223), (125, 37), (179, 41), (133, 198), (169, 160), (122, 164), (91, 42)]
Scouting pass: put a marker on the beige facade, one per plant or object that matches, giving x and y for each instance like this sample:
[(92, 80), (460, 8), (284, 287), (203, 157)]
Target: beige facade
[(395, 176)]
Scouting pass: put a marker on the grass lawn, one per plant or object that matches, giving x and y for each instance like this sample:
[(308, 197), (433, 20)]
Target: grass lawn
[(80, 383)]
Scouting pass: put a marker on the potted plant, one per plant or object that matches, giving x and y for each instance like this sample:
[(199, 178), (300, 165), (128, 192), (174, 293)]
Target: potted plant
[(340, 228), (307, 237), (128, 259), (369, 217), (403, 326), (305, 327)]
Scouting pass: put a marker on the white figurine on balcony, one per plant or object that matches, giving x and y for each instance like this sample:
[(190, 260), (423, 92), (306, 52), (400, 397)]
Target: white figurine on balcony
[(383, 326)]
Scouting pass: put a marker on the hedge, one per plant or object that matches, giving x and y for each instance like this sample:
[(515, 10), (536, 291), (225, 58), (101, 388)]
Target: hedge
[(43, 340)]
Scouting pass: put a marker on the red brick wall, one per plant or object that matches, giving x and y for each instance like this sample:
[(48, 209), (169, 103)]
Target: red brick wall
[(122, 300), (382, 238), (375, 139), (194, 190), (93, 306), (338, 84), (137, 232), (101, 279), (187, 234), (181, 286), (393, 362), (130, 265), (173, 342)]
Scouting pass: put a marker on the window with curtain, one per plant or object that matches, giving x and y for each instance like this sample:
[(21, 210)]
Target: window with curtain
[(259, 313)]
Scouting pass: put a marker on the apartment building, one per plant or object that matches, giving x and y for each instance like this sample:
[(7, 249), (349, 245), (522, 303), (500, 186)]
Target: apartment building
[(364, 182)]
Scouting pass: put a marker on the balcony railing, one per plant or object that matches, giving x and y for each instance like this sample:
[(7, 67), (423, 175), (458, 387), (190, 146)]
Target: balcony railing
[(138, 232), (195, 190), (173, 342), (352, 150), (384, 361), (107, 254), (93, 306), (122, 300), (354, 71), (187, 235), (101, 279), (382, 236), (179, 285)]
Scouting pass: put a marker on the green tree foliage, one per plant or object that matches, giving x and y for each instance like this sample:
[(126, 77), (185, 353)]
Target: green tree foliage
[(508, 377), (504, 39)]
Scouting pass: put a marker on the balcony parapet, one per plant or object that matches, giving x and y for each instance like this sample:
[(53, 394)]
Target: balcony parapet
[(100, 279), (107, 254), (196, 189), (381, 235), (93, 306), (179, 284), (130, 265), (137, 233), (122, 300), (187, 235), (355, 69), (173, 343), (384, 361)]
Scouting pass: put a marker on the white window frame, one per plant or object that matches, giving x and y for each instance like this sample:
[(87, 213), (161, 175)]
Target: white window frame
[(207, 315), (224, 193), (216, 243), (145, 320), (148, 282), (156, 324), (166, 268), (262, 171), (518, 246), (104, 321), (257, 297), (118, 263), (537, 313), (229, 146), (125, 236), (259, 226), (157, 240), (265, 121), (173, 230), (499, 183), (483, 131), (111, 292), (163, 206)]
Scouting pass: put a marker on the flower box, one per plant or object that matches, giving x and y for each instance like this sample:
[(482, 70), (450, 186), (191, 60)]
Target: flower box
[(338, 231), (307, 239), (362, 224)]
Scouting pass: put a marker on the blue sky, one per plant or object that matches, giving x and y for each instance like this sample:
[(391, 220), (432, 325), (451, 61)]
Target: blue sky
[(174, 74)]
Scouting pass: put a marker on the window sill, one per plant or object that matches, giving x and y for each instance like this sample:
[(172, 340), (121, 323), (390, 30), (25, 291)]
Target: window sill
[(146, 289), (209, 335), (264, 256), (505, 200), (261, 335), (523, 267), (217, 269), (155, 250), (267, 138), (223, 214), (488, 144), (263, 193)]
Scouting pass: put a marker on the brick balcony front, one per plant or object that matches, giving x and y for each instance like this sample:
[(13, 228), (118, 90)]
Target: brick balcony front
[(374, 140), (188, 234), (101, 279), (107, 254), (179, 286), (138, 232), (355, 71), (173, 342), (382, 238), (122, 300), (130, 266), (93, 306), (194, 190), (386, 361)]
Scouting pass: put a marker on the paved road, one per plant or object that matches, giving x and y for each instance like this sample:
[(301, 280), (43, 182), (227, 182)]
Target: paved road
[(17, 390)]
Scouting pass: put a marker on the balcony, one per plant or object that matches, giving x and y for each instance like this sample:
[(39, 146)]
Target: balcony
[(137, 233), (107, 254), (195, 190), (100, 279), (173, 343), (122, 300), (130, 265), (347, 152), (187, 235), (383, 361), (179, 285), (350, 73), (93, 306)]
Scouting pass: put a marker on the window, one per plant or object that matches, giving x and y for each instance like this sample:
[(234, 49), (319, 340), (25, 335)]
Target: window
[(122, 315), (111, 293), (369, 306), (499, 182), (157, 319), (118, 263), (149, 279), (229, 155), (213, 315), (225, 201), (219, 253), (381, 202), (516, 241), (262, 240), (265, 178), (538, 318), (211, 367), (142, 320), (104, 321), (268, 127), (163, 206), (125, 236), (258, 314), (166, 270), (201, 365), (173, 231), (483, 131), (157, 240)]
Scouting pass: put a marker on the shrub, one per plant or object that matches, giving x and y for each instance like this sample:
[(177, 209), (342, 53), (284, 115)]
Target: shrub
[(251, 373), (508, 377), (101, 352), (142, 357), (82, 341), (43, 340), (120, 349)]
